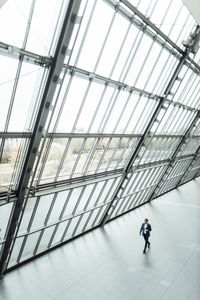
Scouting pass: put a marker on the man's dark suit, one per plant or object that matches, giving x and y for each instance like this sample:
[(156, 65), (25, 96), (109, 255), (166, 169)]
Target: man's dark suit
[(145, 235)]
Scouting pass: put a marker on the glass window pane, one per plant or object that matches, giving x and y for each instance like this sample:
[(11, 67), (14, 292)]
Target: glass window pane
[(30, 245), (45, 239), (12, 150), (7, 77), (42, 29), (42, 210), (54, 159), (14, 17), (5, 211), (25, 103), (91, 50)]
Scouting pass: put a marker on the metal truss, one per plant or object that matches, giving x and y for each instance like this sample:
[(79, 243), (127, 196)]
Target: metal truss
[(39, 131)]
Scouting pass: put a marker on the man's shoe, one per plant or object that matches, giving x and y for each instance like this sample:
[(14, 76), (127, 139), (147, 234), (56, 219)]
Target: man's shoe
[(149, 245), (144, 251)]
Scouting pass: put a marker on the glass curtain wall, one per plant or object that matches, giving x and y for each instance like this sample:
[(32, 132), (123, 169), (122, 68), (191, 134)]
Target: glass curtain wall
[(104, 152)]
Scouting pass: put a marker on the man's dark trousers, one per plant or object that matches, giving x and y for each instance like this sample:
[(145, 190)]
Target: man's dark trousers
[(146, 238)]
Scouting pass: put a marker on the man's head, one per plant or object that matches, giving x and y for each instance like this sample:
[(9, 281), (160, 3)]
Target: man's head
[(146, 220)]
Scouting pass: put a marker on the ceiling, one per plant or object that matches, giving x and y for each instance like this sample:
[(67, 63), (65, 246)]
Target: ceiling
[(194, 8)]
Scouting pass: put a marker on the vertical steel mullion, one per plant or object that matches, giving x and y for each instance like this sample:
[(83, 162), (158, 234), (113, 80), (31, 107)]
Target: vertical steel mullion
[(181, 118), (38, 241), (98, 106), (91, 156), (107, 109), (110, 189), (16, 81), (88, 219), (144, 115), (85, 32), (96, 218), (82, 105), (140, 180), (145, 178), (120, 49), (55, 127), (154, 175), (117, 205), (43, 163), (63, 159), (117, 91), (113, 154), (106, 149), (147, 148), (195, 95), (122, 112), (77, 224), (143, 64), (131, 201), (151, 148), (131, 115), (191, 90), (168, 71), (169, 120), (29, 227), (131, 180), (78, 157), (60, 218), (143, 196), (184, 88), (55, 29), (101, 192), (165, 141), (90, 197), (123, 152), (78, 200), (66, 229), (128, 64), (166, 146), (105, 41), (139, 199), (186, 118), (45, 224), (63, 99)]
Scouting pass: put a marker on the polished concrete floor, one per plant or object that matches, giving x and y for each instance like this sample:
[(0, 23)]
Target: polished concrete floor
[(108, 263)]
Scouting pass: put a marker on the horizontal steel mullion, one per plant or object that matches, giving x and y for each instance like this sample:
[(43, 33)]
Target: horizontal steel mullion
[(29, 57), (125, 86), (78, 157)]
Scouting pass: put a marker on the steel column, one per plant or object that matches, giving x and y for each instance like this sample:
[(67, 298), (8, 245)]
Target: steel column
[(38, 131)]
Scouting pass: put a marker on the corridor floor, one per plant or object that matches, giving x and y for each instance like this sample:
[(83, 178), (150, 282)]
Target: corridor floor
[(108, 263)]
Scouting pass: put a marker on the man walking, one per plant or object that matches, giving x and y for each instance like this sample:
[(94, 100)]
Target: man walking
[(145, 230)]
